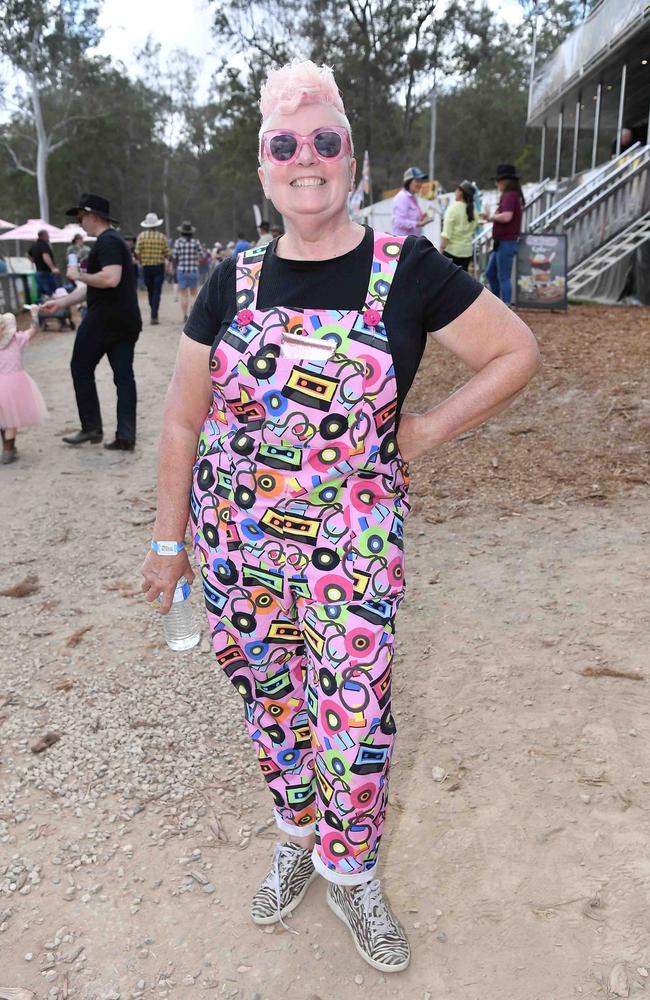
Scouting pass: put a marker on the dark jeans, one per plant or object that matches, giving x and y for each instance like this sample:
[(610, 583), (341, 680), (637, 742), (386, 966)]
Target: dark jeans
[(499, 269), (90, 346), (47, 283), (154, 276), (458, 261)]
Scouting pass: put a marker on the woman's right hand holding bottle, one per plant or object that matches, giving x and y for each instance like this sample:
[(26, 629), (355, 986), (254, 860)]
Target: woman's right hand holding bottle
[(161, 574)]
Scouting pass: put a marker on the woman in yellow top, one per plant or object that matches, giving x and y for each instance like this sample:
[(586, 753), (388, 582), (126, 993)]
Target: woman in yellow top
[(459, 226)]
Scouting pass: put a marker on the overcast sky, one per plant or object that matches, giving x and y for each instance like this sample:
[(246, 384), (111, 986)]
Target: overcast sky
[(175, 25), (183, 25)]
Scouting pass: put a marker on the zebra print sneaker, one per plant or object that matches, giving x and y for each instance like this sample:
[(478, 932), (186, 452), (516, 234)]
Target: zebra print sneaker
[(377, 934), (286, 883)]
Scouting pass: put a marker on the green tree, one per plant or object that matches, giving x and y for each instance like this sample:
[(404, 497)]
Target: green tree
[(555, 19), (482, 113), (148, 144), (385, 54), (172, 83), (46, 40)]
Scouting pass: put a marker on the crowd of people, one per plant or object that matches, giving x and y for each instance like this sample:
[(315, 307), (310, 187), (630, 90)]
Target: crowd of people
[(103, 279), (462, 220), (184, 261), (111, 314)]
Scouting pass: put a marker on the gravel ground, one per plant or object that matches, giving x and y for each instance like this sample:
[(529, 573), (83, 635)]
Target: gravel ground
[(134, 825)]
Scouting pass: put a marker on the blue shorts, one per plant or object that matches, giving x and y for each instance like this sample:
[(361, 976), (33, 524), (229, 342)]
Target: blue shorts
[(187, 279)]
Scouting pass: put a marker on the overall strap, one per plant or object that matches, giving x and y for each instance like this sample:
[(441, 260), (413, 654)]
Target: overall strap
[(385, 258), (247, 275)]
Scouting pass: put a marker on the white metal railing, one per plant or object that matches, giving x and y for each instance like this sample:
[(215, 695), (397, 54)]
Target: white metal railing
[(603, 219), (592, 267), (596, 185), (593, 214), (538, 202)]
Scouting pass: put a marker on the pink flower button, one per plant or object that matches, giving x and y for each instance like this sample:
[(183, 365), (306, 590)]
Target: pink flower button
[(371, 317), (245, 316)]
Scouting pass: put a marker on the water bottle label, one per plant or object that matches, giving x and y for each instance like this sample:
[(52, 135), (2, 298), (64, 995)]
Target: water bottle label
[(182, 592)]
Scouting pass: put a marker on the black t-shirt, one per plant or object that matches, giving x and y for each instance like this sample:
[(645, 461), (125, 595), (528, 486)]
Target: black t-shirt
[(36, 252), (428, 292), (115, 309), (624, 145)]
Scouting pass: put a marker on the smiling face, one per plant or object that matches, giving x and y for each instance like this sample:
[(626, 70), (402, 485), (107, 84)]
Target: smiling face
[(309, 186)]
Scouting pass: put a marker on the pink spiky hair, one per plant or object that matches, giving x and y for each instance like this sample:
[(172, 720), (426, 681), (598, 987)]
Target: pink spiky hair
[(286, 88)]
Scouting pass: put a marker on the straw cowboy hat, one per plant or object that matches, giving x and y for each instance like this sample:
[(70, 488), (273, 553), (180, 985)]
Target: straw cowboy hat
[(93, 203), (186, 229), (7, 328), (151, 220)]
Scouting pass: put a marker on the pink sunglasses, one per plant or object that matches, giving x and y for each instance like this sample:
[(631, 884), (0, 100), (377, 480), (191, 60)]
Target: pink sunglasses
[(282, 146)]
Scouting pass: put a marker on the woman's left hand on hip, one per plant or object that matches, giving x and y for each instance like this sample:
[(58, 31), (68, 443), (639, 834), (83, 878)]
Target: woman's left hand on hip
[(410, 437)]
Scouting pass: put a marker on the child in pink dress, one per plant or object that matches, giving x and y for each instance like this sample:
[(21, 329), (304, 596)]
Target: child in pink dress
[(21, 403)]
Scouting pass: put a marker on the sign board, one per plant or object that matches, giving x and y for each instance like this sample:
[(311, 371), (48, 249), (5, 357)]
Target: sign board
[(13, 292), (542, 271)]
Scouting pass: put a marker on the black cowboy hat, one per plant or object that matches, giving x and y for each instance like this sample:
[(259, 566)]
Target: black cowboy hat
[(506, 171), (186, 229), (93, 203)]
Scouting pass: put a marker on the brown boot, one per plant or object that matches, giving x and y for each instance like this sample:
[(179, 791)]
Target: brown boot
[(9, 453)]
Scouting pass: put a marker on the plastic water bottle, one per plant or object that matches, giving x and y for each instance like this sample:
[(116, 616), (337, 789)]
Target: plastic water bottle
[(181, 630)]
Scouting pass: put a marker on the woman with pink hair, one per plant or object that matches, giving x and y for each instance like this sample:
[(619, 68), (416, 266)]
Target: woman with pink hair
[(285, 443)]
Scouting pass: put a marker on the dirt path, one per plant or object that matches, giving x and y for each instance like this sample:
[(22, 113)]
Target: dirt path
[(517, 844)]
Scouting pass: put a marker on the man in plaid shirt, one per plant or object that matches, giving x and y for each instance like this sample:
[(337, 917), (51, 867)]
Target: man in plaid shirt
[(152, 250), (186, 254)]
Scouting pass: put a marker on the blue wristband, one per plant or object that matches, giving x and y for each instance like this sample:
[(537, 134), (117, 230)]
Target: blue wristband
[(167, 548)]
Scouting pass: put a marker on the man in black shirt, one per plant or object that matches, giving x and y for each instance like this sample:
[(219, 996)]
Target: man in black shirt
[(627, 139), (47, 274), (111, 326)]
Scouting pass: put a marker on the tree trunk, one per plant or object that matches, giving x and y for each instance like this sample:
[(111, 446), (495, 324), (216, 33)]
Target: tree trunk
[(165, 196), (41, 150)]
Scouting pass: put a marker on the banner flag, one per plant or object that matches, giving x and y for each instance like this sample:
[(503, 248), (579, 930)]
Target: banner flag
[(365, 173), (355, 201)]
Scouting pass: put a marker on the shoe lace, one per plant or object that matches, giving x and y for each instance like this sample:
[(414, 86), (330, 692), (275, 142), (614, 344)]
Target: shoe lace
[(283, 855), (370, 901)]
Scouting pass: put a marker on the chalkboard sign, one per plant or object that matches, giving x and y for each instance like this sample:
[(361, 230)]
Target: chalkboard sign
[(542, 271), (13, 293)]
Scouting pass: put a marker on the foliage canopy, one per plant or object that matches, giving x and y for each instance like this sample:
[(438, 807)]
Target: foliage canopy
[(147, 142)]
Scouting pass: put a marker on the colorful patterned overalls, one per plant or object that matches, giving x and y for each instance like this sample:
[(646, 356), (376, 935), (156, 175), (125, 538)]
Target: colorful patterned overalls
[(297, 509)]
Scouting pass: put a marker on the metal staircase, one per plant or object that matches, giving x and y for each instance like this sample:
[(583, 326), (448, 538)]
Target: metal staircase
[(605, 217), (613, 251), (597, 185), (538, 203)]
